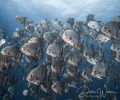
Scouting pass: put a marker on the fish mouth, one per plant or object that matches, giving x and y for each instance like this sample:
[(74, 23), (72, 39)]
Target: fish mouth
[(117, 59), (23, 50), (3, 53)]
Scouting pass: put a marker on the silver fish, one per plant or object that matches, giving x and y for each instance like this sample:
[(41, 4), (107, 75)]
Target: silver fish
[(86, 73), (72, 83), (116, 19), (44, 22), (31, 27), (37, 75), (115, 46), (111, 29), (67, 26), (98, 70), (101, 38), (73, 59), (71, 37), (11, 51), (48, 37), (4, 64), (57, 66), (54, 50), (21, 19), (2, 41), (70, 20), (95, 25), (57, 87), (37, 40), (30, 49), (55, 22), (73, 71), (39, 31)]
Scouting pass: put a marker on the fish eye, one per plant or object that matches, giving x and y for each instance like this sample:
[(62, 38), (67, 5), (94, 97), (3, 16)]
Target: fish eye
[(99, 72), (54, 86), (8, 53), (105, 27), (108, 30), (70, 38), (93, 25), (37, 78), (53, 66), (4, 50)]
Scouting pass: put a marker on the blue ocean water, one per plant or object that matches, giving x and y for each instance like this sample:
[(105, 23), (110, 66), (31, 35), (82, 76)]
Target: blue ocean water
[(38, 10)]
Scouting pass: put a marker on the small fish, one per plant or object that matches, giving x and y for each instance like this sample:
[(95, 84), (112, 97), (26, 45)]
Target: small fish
[(95, 25), (54, 50), (92, 60), (67, 26), (39, 31), (37, 75), (57, 87), (101, 38), (60, 30), (73, 71), (111, 29), (30, 49), (57, 66), (36, 40), (86, 73), (116, 19), (71, 37), (44, 22), (31, 27), (72, 83), (73, 59), (90, 17), (48, 37), (26, 92), (78, 25), (16, 35), (98, 70), (55, 22), (11, 51), (115, 46), (21, 19), (70, 20)]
